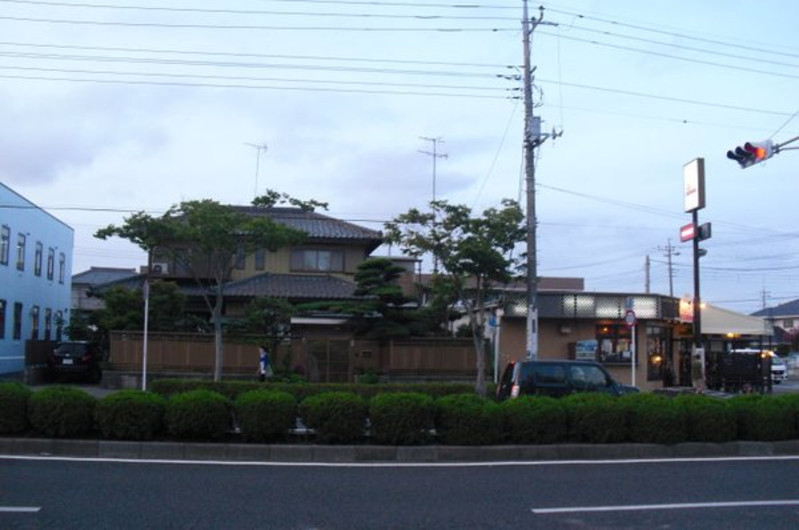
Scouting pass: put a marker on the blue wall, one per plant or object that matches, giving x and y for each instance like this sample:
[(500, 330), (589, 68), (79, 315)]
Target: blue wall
[(30, 295)]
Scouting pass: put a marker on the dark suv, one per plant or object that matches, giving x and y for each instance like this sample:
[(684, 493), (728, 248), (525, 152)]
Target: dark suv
[(78, 358), (557, 378)]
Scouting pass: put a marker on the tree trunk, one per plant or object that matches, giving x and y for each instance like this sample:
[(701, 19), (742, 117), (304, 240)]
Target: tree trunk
[(477, 321), (219, 351)]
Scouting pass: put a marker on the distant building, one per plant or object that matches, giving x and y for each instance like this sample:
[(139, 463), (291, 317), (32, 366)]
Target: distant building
[(35, 277), (83, 282), (784, 316)]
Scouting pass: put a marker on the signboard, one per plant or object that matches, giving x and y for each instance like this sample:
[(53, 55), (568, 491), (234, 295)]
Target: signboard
[(686, 309), (687, 232), (585, 350), (693, 174)]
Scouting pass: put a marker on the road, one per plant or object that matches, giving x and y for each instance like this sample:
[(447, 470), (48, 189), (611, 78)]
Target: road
[(50, 493)]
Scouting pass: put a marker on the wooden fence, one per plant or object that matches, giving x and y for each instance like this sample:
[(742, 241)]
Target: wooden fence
[(319, 358)]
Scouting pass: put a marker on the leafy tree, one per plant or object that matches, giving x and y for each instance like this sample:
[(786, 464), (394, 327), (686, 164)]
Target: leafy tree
[(475, 251), (203, 237)]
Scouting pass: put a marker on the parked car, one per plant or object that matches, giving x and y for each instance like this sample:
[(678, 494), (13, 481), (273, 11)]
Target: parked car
[(779, 368), (557, 378), (76, 358)]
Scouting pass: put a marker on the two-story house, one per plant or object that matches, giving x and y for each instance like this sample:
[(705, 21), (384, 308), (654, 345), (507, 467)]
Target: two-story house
[(35, 273)]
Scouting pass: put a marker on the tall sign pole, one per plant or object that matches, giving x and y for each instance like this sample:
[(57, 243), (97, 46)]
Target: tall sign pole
[(694, 195)]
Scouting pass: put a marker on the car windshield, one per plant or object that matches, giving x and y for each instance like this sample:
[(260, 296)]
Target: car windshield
[(70, 349)]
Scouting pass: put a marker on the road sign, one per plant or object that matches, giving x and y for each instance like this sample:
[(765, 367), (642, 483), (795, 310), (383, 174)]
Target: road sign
[(629, 318), (687, 232)]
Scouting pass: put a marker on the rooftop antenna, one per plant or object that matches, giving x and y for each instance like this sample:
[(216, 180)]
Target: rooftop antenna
[(259, 148)]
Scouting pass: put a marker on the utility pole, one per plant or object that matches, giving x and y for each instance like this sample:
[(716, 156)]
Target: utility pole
[(259, 148), (647, 267), (532, 139), (670, 250), (435, 155)]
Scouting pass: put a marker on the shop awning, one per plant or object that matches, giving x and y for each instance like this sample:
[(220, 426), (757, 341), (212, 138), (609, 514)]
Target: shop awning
[(718, 321)]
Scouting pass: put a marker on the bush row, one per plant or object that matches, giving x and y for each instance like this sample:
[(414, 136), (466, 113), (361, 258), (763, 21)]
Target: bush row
[(398, 418)]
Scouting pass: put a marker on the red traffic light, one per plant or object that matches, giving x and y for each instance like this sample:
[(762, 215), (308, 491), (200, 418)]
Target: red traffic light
[(752, 153)]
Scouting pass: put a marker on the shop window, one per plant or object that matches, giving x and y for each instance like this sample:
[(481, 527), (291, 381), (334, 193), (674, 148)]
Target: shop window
[(614, 343), (656, 359)]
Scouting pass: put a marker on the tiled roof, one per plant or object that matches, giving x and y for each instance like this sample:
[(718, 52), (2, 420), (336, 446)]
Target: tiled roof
[(292, 286), (318, 226), (100, 275), (788, 309)]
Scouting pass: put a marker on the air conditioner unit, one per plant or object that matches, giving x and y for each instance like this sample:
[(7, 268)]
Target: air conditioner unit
[(160, 267)]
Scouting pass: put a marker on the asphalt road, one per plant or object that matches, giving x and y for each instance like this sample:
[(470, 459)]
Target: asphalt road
[(74, 494)]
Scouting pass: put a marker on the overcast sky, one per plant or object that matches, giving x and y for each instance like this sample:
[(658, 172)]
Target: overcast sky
[(114, 107)]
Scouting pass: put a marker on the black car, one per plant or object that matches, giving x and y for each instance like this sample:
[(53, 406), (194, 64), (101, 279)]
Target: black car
[(557, 378), (77, 358)]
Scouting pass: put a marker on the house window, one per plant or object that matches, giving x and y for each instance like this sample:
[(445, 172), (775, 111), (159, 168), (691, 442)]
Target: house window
[(787, 323), (62, 267), (37, 261), (317, 260), (260, 259), (21, 252), (35, 323), (2, 319), (48, 323), (5, 244), (59, 325), (50, 262), (17, 321), (241, 258), (614, 343)]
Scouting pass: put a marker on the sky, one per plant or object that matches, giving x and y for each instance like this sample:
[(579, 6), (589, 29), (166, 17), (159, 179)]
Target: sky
[(110, 108)]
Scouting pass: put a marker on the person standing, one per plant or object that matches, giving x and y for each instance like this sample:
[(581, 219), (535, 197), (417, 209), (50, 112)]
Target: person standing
[(264, 370)]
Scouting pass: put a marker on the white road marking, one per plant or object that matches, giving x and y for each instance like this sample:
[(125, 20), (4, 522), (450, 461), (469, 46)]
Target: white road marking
[(678, 506), (19, 509)]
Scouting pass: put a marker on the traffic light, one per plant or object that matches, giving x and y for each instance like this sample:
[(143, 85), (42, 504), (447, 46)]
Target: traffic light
[(752, 152)]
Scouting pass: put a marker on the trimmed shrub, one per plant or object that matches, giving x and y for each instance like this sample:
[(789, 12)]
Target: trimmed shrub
[(653, 419), (130, 415), (402, 418), (62, 411), (708, 419), (336, 417), (595, 418), (763, 418), (468, 419), (791, 404), (198, 415), (14, 408), (265, 415), (534, 420)]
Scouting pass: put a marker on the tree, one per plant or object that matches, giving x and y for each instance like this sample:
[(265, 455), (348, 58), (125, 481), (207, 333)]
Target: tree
[(474, 251), (204, 237)]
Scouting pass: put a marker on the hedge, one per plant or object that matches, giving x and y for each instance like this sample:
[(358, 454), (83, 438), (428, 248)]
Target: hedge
[(467, 419), (62, 411), (198, 415), (402, 418), (14, 408), (654, 419), (130, 415), (535, 420), (265, 415), (708, 419), (595, 418), (336, 417)]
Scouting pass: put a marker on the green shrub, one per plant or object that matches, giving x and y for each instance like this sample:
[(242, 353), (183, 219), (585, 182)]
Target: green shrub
[(653, 419), (336, 417), (708, 419), (130, 415), (791, 404), (595, 418), (14, 408), (534, 420), (402, 418), (198, 415), (265, 415), (62, 411), (763, 418), (468, 419)]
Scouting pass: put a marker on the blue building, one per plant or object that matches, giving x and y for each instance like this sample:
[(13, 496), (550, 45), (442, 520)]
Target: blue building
[(35, 277)]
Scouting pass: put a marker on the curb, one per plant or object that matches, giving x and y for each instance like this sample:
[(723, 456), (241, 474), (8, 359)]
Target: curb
[(338, 454)]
